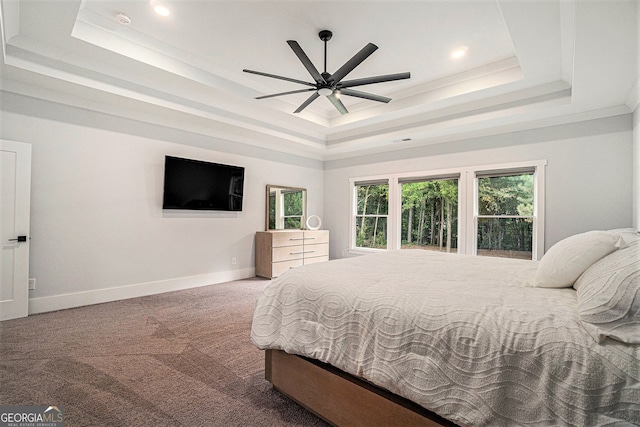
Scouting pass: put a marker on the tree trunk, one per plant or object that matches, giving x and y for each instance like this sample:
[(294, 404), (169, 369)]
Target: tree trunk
[(432, 224), (364, 210), (423, 208), (410, 226), (375, 227), (448, 226), (490, 234), (441, 230)]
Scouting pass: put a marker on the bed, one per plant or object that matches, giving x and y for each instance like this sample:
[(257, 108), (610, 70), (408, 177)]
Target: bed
[(431, 338)]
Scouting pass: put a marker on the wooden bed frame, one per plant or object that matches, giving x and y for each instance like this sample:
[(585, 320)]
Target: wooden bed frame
[(342, 399)]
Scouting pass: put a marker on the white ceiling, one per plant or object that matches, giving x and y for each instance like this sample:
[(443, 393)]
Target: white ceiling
[(528, 64)]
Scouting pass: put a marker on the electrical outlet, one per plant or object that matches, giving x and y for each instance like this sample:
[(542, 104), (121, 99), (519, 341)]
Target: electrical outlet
[(234, 260), (32, 284)]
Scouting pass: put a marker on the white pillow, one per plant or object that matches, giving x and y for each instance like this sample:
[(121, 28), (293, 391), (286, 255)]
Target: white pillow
[(565, 261), (609, 296), (629, 235)]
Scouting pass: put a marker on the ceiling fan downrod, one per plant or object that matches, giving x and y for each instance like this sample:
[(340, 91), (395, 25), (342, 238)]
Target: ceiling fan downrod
[(325, 36)]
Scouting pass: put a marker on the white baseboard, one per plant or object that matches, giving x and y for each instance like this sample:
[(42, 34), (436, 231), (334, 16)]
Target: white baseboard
[(79, 299)]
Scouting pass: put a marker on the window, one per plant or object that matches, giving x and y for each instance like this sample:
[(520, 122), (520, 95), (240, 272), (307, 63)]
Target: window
[(429, 214), (505, 215), (372, 210), (491, 210)]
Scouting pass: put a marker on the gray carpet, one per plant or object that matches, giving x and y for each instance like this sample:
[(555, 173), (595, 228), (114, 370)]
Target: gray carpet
[(176, 359)]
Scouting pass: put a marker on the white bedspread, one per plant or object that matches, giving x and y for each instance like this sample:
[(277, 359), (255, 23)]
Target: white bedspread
[(463, 336)]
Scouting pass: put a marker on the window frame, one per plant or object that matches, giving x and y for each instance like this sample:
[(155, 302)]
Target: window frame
[(467, 203)]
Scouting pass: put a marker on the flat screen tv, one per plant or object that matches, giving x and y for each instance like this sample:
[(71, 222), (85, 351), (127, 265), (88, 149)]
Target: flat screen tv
[(198, 185)]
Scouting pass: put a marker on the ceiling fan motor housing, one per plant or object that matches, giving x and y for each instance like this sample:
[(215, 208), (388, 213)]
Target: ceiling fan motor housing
[(325, 35)]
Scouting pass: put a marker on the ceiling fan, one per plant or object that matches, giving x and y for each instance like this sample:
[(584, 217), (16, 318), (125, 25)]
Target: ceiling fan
[(332, 85)]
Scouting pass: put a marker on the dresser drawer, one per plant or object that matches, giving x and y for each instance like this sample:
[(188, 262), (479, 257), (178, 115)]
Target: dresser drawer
[(319, 250), (287, 253), (288, 238), (313, 260), (316, 236), (277, 268)]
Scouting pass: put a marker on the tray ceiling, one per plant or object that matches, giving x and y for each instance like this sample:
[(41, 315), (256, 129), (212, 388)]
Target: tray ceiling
[(527, 64)]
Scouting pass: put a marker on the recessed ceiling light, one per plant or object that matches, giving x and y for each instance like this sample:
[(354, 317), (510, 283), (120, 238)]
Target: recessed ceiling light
[(459, 52), (160, 8)]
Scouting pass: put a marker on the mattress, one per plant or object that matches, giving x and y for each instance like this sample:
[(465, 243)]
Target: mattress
[(463, 336)]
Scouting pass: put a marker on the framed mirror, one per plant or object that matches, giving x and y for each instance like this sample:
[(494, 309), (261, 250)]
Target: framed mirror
[(286, 208)]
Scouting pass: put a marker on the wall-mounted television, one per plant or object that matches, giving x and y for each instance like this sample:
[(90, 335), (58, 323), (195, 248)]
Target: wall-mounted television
[(199, 185)]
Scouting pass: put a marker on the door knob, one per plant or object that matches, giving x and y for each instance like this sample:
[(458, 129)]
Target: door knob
[(19, 239)]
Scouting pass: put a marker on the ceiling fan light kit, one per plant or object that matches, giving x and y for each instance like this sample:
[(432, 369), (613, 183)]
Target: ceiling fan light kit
[(331, 85)]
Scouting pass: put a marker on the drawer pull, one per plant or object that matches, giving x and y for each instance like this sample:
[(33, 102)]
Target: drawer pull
[(296, 238), (301, 252)]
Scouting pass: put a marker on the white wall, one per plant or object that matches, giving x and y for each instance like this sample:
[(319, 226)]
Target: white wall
[(97, 227), (99, 233), (588, 176)]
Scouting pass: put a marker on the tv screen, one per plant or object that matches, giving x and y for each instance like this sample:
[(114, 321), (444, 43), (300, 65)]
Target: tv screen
[(197, 185)]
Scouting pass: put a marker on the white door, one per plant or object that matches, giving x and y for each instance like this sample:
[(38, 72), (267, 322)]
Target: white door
[(15, 193)]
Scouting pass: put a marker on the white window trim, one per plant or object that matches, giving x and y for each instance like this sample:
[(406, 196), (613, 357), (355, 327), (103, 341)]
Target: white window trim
[(467, 204)]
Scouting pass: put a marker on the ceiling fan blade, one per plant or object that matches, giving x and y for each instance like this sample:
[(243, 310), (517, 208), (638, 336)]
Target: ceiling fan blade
[(306, 61), (353, 63), (260, 73), (307, 102), (364, 95), (285, 93), (337, 103), (371, 80)]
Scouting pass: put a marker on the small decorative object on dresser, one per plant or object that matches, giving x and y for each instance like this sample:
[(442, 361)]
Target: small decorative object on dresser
[(314, 222), (279, 250)]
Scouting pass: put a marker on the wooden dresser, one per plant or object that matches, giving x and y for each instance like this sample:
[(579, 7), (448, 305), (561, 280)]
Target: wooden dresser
[(279, 250)]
